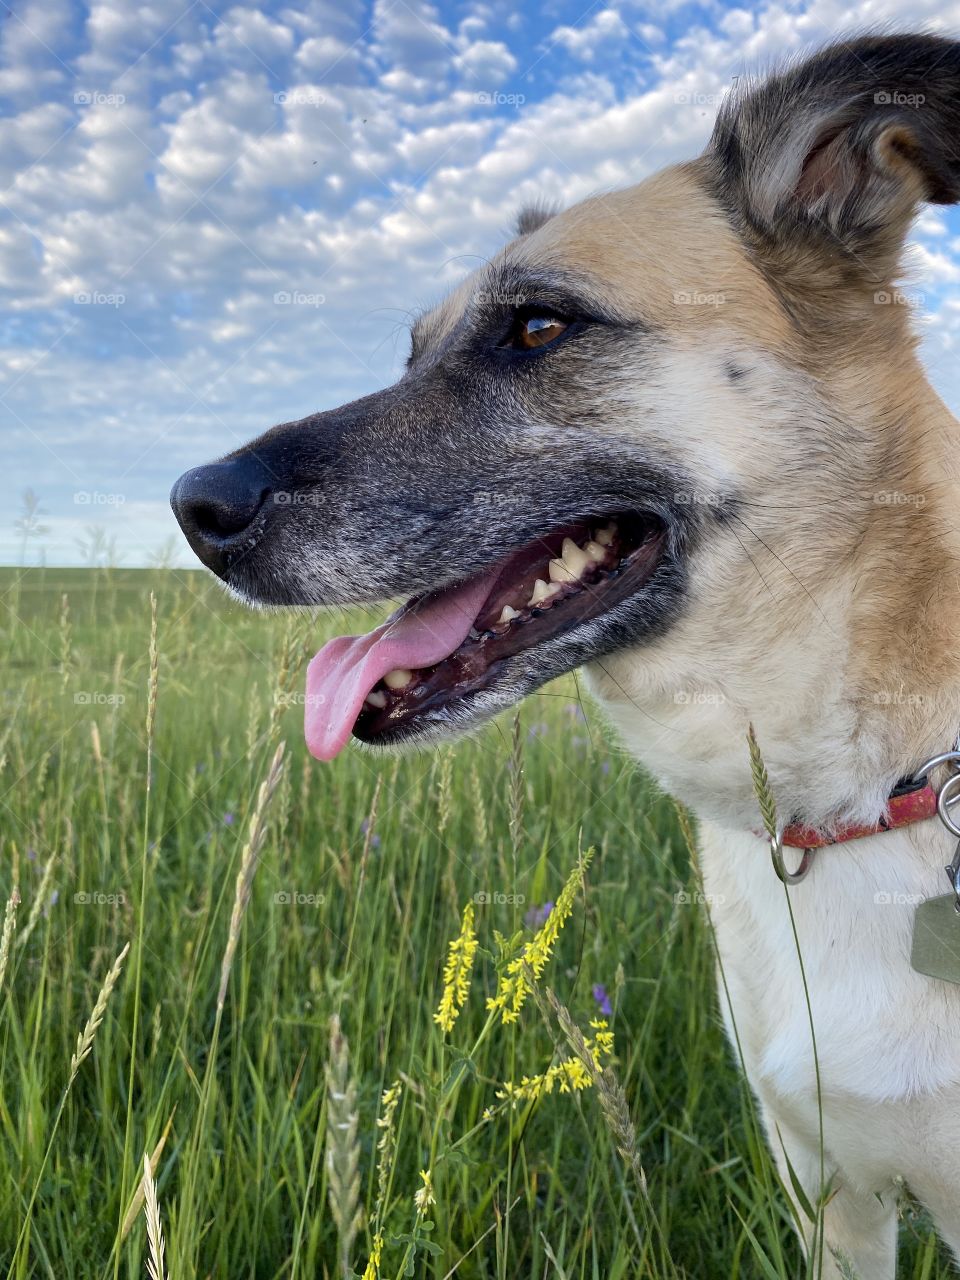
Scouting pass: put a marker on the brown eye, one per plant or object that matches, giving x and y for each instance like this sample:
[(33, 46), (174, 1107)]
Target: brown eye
[(538, 331)]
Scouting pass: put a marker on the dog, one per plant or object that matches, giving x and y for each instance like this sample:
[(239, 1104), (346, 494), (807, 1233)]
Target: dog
[(679, 435)]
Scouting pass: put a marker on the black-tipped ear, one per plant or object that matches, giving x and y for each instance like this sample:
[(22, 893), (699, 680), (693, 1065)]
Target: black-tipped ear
[(533, 216), (838, 152)]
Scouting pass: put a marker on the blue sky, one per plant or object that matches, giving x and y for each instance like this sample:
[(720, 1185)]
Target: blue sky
[(217, 217)]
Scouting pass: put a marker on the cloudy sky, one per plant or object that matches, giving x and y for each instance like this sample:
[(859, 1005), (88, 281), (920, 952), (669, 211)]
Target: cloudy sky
[(217, 217)]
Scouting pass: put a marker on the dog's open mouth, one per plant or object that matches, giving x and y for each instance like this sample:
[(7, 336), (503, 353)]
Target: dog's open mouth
[(445, 646)]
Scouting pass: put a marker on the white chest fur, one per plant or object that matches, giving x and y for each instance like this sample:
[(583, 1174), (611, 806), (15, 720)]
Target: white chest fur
[(883, 1031)]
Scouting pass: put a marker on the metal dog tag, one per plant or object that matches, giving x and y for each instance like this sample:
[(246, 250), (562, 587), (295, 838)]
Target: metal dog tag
[(936, 938)]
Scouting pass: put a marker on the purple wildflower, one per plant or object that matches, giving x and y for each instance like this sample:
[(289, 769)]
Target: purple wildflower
[(537, 916), (228, 819), (602, 999)]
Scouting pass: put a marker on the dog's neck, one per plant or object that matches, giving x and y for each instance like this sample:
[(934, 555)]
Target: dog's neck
[(852, 678)]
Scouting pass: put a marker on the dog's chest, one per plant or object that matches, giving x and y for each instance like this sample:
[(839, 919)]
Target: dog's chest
[(883, 1032)]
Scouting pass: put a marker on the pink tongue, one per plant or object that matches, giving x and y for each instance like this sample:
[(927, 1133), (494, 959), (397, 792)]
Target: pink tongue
[(346, 669)]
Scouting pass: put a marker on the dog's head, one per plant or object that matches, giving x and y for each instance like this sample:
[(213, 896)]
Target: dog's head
[(598, 431)]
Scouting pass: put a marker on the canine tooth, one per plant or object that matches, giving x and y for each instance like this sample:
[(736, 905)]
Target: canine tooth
[(376, 698), (398, 678), (508, 614), (606, 535), (542, 591), (575, 559), (595, 551), (560, 572)]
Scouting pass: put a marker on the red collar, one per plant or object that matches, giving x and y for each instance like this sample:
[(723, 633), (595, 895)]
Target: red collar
[(908, 802)]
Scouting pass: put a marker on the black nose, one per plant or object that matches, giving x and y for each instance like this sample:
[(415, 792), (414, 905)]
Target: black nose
[(216, 505)]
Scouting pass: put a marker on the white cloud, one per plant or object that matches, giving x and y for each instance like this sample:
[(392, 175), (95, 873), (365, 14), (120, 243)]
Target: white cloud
[(485, 63), (585, 40)]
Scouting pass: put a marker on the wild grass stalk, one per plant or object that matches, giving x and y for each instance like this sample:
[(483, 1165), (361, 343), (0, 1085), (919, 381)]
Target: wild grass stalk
[(84, 1047), (249, 862), (768, 810), (150, 721), (9, 925), (40, 901), (151, 1211), (343, 1148)]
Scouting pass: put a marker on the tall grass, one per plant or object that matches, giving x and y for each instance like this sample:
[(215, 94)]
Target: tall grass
[(271, 1040)]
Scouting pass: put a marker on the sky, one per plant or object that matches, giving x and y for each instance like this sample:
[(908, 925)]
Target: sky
[(218, 217)]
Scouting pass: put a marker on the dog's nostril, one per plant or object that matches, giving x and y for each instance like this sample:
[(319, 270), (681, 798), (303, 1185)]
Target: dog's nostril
[(221, 518), (216, 503)]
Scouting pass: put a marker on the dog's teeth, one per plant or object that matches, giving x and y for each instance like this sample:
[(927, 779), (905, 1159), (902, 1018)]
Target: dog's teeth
[(595, 551), (474, 634), (398, 678), (560, 572), (606, 535), (543, 591), (376, 698), (507, 614), (575, 559)]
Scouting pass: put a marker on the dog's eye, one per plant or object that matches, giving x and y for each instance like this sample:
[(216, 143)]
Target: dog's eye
[(532, 331)]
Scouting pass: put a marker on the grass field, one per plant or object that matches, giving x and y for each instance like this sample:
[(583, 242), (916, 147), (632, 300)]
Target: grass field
[(262, 1116)]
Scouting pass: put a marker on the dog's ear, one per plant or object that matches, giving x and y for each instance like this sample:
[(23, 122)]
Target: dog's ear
[(837, 152)]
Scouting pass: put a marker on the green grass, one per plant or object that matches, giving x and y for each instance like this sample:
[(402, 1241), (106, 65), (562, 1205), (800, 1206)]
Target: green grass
[(244, 1180)]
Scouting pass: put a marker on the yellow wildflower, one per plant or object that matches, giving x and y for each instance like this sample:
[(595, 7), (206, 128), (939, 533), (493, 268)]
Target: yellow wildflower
[(569, 1076), (387, 1142), (456, 973), (372, 1269), (602, 1044), (423, 1197), (514, 986)]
